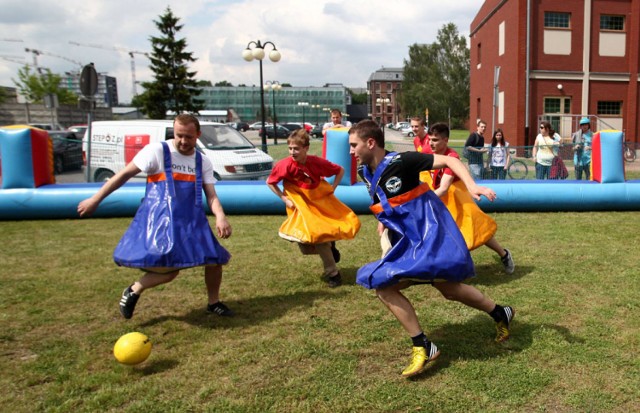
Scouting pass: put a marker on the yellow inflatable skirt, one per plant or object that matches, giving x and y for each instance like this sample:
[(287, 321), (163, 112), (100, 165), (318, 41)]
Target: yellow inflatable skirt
[(477, 227), (318, 216)]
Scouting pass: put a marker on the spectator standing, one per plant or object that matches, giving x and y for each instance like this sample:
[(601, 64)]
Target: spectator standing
[(545, 148), (582, 149), (474, 150), (499, 157), (336, 121)]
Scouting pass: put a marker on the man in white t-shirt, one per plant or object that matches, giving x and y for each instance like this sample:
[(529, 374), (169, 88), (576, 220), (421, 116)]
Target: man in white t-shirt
[(336, 121), (183, 172)]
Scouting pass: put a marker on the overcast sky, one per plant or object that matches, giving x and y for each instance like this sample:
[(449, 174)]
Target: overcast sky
[(321, 41)]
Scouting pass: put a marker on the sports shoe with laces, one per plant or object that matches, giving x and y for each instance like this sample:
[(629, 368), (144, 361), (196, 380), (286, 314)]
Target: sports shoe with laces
[(128, 302), (335, 252), (220, 309), (507, 261), (420, 356), (502, 327), (334, 281)]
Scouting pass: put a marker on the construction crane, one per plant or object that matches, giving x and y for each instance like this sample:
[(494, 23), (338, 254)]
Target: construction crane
[(37, 53), (14, 59), (120, 49)]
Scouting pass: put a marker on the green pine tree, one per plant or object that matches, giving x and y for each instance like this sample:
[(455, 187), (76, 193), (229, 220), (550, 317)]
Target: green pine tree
[(175, 87)]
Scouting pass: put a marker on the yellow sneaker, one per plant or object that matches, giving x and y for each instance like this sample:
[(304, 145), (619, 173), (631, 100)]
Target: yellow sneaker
[(502, 327), (419, 359)]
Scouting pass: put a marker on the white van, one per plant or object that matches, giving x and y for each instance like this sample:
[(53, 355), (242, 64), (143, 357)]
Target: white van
[(115, 143)]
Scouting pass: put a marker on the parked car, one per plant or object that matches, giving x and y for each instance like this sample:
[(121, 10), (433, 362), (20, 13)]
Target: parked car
[(408, 131), (292, 126), (67, 151), (316, 132), (239, 126), (308, 126), (79, 130), (47, 126), (400, 125), (281, 131), (257, 125)]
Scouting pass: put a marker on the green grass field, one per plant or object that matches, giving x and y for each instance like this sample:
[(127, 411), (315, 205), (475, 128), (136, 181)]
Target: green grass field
[(297, 346)]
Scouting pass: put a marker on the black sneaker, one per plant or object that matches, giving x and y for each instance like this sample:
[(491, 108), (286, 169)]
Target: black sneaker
[(335, 252), (507, 261), (220, 309), (334, 281), (128, 302)]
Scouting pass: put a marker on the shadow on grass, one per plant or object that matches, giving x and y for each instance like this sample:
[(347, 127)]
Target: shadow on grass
[(493, 274), (474, 340), (250, 311), (157, 366)]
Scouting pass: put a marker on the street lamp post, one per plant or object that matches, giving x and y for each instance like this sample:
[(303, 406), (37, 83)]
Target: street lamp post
[(327, 110), (274, 85), (255, 50), (317, 108), (383, 104), (304, 106)]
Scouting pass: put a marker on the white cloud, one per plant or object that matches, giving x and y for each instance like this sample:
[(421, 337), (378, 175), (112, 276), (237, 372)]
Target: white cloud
[(321, 41)]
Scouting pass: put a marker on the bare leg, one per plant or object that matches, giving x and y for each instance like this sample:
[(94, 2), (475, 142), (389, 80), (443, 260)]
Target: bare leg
[(152, 279), (495, 245), (213, 280), (466, 295), (401, 308), (328, 263)]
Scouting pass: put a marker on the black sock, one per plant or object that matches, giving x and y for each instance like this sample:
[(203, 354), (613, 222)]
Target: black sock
[(498, 313), (420, 340)]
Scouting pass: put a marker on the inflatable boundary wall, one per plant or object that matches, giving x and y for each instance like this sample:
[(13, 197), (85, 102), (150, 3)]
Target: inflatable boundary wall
[(29, 190)]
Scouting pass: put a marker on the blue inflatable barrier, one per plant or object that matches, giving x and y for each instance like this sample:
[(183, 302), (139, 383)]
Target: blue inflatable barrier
[(254, 197)]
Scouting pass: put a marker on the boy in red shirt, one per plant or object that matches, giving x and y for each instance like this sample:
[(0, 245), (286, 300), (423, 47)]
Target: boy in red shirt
[(315, 217)]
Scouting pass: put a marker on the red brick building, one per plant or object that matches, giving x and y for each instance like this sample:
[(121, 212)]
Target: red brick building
[(555, 60)]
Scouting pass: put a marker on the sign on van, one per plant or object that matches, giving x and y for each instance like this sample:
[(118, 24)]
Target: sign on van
[(133, 144)]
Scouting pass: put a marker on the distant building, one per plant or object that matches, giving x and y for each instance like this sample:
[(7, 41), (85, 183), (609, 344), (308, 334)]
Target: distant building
[(384, 87), (107, 94), (558, 61), (283, 104)]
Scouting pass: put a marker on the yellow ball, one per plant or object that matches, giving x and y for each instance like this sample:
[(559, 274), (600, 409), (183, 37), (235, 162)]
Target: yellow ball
[(132, 348)]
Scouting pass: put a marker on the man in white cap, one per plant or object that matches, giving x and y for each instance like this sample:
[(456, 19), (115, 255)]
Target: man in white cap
[(582, 149)]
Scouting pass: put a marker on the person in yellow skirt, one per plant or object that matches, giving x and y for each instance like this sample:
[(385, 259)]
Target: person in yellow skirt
[(477, 227), (316, 218)]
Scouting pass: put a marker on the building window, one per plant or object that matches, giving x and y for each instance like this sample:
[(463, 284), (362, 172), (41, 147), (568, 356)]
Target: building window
[(613, 23), (609, 107), (556, 20), (557, 105), (501, 38), (479, 49)]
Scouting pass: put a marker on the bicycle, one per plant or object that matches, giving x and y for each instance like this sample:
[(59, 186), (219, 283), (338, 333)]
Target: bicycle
[(629, 151), (517, 170)]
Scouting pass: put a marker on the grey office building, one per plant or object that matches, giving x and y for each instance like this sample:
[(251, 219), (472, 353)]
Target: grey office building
[(289, 104)]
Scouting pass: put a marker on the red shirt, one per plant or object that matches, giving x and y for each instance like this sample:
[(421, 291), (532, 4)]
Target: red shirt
[(307, 175), (422, 145), (437, 174)]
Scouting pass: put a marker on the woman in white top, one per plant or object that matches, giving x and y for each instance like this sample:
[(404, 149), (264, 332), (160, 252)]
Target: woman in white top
[(545, 148), (499, 157)]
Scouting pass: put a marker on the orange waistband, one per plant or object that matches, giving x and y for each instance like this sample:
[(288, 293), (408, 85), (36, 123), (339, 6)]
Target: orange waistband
[(176, 177), (401, 199)]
